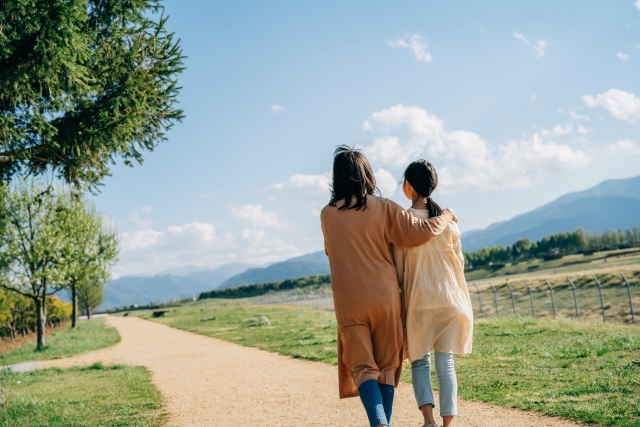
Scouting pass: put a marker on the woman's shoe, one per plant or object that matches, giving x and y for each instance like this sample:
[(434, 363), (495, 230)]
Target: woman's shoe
[(431, 424)]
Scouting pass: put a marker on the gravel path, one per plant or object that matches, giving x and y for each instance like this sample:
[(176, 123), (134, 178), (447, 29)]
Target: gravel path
[(209, 382)]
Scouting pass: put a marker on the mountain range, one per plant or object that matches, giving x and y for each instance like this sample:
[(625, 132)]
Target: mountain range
[(189, 281), (612, 204)]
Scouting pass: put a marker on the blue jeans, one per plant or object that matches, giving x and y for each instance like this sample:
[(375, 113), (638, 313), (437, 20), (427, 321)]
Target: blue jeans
[(377, 400), (447, 381)]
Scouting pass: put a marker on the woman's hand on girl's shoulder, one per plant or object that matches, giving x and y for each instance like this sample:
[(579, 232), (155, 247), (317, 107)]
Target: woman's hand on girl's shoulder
[(454, 218)]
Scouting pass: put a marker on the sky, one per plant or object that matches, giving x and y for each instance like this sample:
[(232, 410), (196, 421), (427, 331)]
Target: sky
[(515, 103)]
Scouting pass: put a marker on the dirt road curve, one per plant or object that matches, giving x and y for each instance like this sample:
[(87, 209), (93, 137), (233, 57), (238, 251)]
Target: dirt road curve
[(208, 382)]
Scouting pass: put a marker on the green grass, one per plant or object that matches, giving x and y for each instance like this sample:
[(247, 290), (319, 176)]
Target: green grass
[(585, 371), (307, 334), (90, 335), (106, 396), (619, 259)]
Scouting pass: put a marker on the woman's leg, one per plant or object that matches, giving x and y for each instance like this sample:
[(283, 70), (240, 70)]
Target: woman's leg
[(448, 386), (387, 392), (422, 389), (372, 401)]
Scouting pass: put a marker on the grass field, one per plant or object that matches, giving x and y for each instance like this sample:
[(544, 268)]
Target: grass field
[(89, 397), (90, 335), (582, 370), (616, 260)]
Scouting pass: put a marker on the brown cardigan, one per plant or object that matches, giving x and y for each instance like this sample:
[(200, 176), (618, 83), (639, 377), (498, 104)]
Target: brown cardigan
[(365, 286)]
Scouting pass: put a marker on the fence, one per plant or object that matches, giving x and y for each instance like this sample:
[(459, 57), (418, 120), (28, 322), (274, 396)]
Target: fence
[(319, 298), (609, 297)]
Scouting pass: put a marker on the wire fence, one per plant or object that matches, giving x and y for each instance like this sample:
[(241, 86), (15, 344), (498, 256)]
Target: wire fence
[(319, 298), (610, 297)]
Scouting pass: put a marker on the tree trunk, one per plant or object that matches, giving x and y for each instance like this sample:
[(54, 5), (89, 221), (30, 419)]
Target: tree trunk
[(74, 310), (88, 313), (40, 322)]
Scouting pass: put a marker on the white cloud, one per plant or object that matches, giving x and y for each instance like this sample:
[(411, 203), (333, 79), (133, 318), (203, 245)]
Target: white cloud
[(579, 116), (623, 146), (276, 108), (466, 160), (140, 239), (414, 43), (255, 215), (583, 130), (386, 182), (637, 4), (366, 126), (307, 183), (620, 104), (537, 49), (622, 56), (196, 243), (136, 216)]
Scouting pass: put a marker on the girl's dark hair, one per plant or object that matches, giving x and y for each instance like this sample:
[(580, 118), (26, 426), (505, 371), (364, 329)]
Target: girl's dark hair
[(423, 178), (352, 176)]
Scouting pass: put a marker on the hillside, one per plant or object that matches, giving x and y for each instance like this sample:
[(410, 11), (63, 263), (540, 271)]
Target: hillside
[(306, 265), (612, 204), (167, 285), (130, 290)]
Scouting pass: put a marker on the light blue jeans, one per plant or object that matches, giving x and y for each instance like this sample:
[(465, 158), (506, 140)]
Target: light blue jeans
[(447, 381)]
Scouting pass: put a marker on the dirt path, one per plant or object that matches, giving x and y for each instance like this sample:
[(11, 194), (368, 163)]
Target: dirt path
[(209, 382)]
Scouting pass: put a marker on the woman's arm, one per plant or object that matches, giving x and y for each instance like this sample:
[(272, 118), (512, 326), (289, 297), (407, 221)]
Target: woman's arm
[(398, 259), (405, 231)]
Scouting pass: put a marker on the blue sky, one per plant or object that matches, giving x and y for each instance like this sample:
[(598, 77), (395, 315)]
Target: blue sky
[(515, 103)]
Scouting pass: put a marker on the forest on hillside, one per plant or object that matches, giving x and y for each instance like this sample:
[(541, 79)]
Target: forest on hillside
[(554, 246)]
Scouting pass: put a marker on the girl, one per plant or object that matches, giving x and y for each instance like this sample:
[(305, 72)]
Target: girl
[(359, 229), (438, 308)]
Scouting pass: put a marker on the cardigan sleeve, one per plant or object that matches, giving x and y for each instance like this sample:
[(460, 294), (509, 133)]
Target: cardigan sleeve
[(398, 259), (403, 230)]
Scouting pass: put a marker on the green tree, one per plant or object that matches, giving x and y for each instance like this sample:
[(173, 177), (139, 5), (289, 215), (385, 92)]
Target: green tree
[(84, 83), (31, 247), (90, 295), (90, 247)]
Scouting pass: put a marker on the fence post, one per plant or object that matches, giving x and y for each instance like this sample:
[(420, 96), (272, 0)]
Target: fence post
[(575, 298), (553, 301), (495, 298), (513, 300), (533, 310), (633, 316), (480, 299), (604, 317)]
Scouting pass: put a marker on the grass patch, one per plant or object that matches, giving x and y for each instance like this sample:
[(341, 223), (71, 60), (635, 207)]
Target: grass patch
[(92, 396), (585, 371), (303, 333), (90, 335)]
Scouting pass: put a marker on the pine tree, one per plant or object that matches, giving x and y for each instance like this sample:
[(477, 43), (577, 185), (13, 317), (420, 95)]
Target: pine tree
[(84, 83)]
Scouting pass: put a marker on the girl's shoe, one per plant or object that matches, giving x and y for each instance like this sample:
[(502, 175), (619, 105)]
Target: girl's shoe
[(431, 424)]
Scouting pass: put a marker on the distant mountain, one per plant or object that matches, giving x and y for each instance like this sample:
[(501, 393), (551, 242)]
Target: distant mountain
[(183, 271), (184, 281), (130, 290), (213, 278), (306, 265), (612, 204)]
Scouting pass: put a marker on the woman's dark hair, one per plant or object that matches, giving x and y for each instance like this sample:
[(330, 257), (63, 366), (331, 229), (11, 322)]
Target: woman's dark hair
[(423, 178), (352, 176)]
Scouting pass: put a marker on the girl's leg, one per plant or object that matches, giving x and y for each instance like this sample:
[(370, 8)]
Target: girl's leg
[(421, 379), (387, 392), (372, 401), (448, 385)]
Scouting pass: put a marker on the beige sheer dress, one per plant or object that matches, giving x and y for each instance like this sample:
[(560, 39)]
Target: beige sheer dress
[(438, 308)]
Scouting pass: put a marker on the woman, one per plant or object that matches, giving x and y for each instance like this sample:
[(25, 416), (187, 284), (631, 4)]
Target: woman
[(439, 316), (359, 229)]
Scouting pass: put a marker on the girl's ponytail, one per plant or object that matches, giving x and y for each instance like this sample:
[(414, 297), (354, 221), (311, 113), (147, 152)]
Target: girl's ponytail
[(423, 178)]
